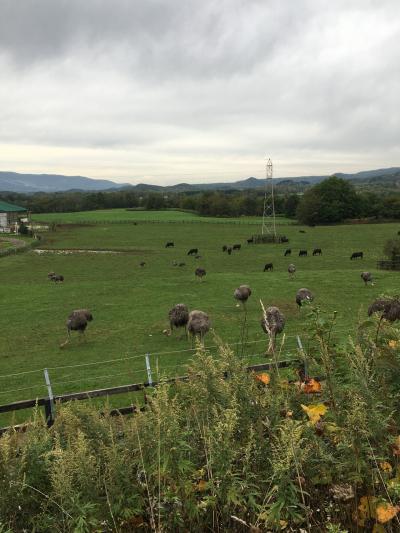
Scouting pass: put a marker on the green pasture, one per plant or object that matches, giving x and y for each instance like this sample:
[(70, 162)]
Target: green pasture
[(138, 215), (130, 303)]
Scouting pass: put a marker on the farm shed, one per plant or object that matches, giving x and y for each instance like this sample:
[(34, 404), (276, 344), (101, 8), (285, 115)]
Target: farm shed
[(10, 216)]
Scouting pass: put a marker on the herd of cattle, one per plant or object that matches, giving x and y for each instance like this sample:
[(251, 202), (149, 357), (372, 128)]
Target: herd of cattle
[(268, 267), (288, 251)]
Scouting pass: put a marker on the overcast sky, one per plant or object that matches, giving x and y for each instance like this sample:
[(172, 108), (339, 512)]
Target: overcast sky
[(198, 90)]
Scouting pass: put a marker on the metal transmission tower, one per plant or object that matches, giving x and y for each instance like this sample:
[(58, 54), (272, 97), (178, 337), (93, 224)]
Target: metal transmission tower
[(268, 220)]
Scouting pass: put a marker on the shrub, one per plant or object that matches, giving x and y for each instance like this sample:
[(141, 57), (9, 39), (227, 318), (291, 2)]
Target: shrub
[(224, 451)]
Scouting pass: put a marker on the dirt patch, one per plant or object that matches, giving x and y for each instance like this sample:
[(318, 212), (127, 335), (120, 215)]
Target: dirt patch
[(71, 251), (14, 242)]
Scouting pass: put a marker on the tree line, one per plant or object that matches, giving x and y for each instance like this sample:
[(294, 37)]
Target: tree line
[(331, 201)]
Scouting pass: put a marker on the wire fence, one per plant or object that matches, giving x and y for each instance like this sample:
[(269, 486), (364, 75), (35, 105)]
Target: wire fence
[(155, 360), (200, 220), (245, 343)]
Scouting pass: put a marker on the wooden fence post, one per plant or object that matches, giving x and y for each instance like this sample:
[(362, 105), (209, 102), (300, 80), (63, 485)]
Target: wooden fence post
[(49, 408), (300, 345), (148, 368)]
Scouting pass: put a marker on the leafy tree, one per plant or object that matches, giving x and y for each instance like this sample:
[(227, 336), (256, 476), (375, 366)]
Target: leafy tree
[(155, 201), (370, 205), (23, 228), (391, 207), (291, 204), (392, 248), (330, 201)]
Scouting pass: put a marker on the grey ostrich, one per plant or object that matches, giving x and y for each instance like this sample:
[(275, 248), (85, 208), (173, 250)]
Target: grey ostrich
[(389, 309), (57, 278), (178, 316), (303, 295), (367, 277), (78, 321), (198, 324), (272, 323), (242, 294), (291, 270), (200, 273)]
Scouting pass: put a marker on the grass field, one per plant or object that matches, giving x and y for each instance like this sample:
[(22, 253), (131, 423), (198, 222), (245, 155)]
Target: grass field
[(130, 303), (124, 215)]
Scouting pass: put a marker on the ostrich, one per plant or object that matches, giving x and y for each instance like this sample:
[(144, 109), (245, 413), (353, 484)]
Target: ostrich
[(200, 273), (142, 263), (390, 308), (198, 324), (242, 294), (57, 278), (272, 323), (178, 316), (367, 277), (77, 321), (303, 295), (291, 269)]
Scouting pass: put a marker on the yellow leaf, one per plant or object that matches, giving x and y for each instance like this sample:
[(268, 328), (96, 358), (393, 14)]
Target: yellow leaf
[(201, 486), (315, 411), (386, 467), (393, 344), (365, 510), (396, 446), (264, 378), (385, 512)]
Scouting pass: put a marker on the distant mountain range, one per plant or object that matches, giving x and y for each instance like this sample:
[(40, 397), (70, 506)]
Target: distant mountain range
[(28, 183), (31, 183)]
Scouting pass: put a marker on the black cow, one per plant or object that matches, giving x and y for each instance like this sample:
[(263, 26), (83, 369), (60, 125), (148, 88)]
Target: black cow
[(229, 250), (224, 248), (236, 247), (284, 239), (303, 253), (287, 252), (193, 251), (250, 241), (357, 255), (301, 231), (317, 251), (268, 266), (169, 245)]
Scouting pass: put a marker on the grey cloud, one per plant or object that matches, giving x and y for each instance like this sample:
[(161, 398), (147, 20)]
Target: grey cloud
[(158, 38), (202, 78)]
